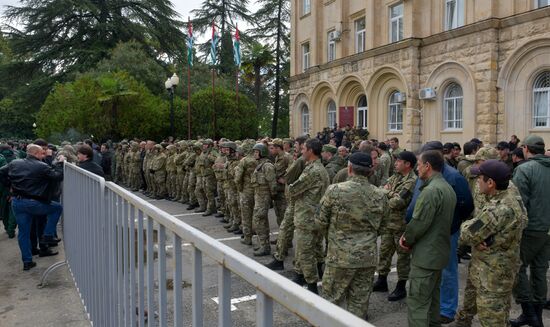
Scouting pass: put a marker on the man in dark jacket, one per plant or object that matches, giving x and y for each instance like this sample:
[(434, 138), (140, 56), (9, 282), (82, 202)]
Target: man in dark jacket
[(85, 156), (106, 160), (30, 181), (532, 179)]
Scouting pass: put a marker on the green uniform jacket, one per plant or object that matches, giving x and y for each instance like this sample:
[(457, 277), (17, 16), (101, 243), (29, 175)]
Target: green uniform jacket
[(334, 165), (399, 196), (533, 182), (429, 231), (503, 218), (306, 193), (349, 219)]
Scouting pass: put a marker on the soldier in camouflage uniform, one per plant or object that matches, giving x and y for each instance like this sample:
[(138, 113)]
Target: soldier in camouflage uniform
[(128, 165), (205, 190), (399, 190), (263, 181), (282, 161), (494, 235), (171, 171), (349, 218), (191, 165), (158, 169), (181, 183), (386, 163), (231, 193), (306, 192), (220, 172), (243, 176), (332, 161), (148, 161), (134, 168), (119, 157)]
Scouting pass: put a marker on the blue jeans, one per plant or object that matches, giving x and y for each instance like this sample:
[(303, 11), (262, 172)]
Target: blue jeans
[(25, 210), (449, 282)]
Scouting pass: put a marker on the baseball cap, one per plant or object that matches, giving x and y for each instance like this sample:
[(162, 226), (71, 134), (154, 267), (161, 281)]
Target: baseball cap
[(534, 141), (407, 156), (361, 159), (432, 145), (329, 148), (494, 169)]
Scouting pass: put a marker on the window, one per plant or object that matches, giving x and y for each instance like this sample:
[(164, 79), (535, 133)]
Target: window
[(305, 119), (454, 14), (362, 112), (541, 100), (331, 114), (395, 113), (306, 7), (541, 3), (360, 35), (331, 51), (396, 22), (305, 56), (452, 107)]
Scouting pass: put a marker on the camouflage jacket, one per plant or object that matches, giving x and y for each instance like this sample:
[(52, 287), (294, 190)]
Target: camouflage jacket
[(179, 161), (386, 164), (349, 219), (205, 161), (219, 168), (399, 194), (171, 163), (282, 162), (263, 177), (190, 160), (230, 166), (158, 164), (243, 172), (334, 165), (306, 193), (501, 220)]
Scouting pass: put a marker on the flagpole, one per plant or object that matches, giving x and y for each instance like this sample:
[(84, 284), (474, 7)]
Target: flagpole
[(214, 101), (188, 102), (237, 87)]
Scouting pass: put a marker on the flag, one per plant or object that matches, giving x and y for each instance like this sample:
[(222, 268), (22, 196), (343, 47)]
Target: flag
[(237, 48), (190, 45), (213, 45)]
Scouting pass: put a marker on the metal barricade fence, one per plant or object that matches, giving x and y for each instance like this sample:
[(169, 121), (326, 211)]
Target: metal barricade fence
[(107, 233)]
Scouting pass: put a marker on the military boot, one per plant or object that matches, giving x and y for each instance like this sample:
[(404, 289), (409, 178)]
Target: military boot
[(320, 269), (381, 284), (299, 279), (246, 240), (192, 206), (207, 213), (199, 210), (312, 287), (460, 322), (228, 225), (233, 228), (238, 231), (262, 251), (538, 311), (400, 291), (528, 316), (276, 265), (219, 215)]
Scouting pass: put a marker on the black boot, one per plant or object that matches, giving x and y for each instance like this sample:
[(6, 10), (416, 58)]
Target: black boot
[(320, 269), (381, 284), (47, 253), (276, 265), (527, 316), (299, 279), (400, 291), (538, 307), (312, 287)]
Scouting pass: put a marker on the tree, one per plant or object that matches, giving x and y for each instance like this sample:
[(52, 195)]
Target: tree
[(257, 59), (273, 19)]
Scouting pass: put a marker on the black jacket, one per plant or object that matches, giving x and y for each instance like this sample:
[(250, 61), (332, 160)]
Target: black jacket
[(32, 178), (91, 166), (106, 162)]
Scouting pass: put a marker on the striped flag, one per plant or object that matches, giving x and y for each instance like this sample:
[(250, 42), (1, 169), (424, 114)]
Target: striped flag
[(213, 45), (237, 47), (190, 45)]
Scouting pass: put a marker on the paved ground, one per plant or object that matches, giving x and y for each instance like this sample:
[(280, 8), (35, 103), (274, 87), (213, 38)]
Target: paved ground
[(23, 304)]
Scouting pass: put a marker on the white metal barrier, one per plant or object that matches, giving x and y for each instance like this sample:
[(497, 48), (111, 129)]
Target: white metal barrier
[(107, 233)]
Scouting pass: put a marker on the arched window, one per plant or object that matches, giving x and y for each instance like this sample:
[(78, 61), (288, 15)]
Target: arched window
[(305, 119), (452, 107), (362, 111), (331, 114), (395, 113), (541, 100)]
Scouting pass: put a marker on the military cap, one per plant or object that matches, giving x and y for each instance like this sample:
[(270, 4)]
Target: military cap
[(288, 140), (277, 142), (432, 145), (494, 169), (486, 153), (208, 141), (407, 156), (329, 148), (361, 159), (158, 147), (503, 145), (170, 147), (230, 145), (197, 145), (534, 141)]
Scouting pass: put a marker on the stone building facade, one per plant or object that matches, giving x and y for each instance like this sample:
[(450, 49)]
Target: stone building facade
[(422, 70)]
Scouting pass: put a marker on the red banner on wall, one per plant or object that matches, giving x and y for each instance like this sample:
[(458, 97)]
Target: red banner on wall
[(346, 115)]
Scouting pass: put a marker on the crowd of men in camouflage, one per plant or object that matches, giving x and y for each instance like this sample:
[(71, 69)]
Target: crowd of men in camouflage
[(334, 205)]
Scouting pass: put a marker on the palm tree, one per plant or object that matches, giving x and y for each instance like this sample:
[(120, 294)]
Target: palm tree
[(257, 62), (113, 91)]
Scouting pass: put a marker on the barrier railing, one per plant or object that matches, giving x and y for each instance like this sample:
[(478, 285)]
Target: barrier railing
[(111, 239)]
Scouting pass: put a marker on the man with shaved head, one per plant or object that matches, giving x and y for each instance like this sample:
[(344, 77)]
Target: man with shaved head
[(31, 182)]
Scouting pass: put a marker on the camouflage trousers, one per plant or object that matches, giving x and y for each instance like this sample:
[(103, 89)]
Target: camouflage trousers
[(286, 233), (492, 308), (184, 187), (118, 174), (349, 288), (191, 185), (171, 183), (205, 191), (180, 175), (279, 204), (160, 183), (246, 200), (309, 252), (232, 203), (222, 198), (260, 221), (150, 180), (389, 244), (135, 179)]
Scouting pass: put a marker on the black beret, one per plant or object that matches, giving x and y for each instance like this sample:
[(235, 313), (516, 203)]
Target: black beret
[(361, 159), (407, 156)]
